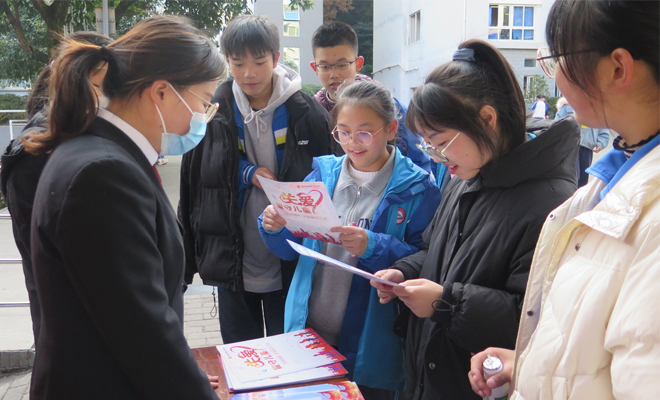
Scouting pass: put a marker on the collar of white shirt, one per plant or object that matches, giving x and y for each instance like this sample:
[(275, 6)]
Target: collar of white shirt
[(132, 133)]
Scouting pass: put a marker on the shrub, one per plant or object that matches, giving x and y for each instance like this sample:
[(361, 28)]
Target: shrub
[(310, 88), (11, 102)]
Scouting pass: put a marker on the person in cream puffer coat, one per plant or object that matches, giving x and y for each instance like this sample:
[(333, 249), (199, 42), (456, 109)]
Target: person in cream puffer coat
[(602, 344)]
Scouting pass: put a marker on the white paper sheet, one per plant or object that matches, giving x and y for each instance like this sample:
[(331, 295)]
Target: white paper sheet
[(331, 261)]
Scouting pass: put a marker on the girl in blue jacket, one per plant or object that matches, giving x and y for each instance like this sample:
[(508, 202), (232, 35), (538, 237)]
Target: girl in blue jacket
[(384, 202)]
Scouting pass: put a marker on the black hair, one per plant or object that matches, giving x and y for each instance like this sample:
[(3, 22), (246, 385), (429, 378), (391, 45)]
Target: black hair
[(599, 27), (335, 34), (370, 94), (38, 99), (160, 47), (454, 93), (253, 33)]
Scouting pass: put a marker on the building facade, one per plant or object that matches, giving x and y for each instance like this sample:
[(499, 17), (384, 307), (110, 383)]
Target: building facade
[(411, 37), (296, 29)]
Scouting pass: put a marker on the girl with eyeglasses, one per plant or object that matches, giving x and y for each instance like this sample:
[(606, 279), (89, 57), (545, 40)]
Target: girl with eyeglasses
[(466, 284), (384, 202), (107, 251), (590, 324)]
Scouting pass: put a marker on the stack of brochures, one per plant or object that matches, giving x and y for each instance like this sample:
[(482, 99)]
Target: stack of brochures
[(336, 391), (287, 359)]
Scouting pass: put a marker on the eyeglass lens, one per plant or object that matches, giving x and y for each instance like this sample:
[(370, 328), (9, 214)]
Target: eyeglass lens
[(339, 67), (548, 62), (360, 137)]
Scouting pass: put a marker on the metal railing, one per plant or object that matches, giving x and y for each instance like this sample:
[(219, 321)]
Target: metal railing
[(14, 122), (11, 261)]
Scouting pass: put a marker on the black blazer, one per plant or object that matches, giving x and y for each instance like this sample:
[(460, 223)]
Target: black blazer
[(108, 259)]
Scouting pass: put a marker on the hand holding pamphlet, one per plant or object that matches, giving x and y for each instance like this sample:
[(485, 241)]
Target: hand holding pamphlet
[(331, 261), (306, 207)]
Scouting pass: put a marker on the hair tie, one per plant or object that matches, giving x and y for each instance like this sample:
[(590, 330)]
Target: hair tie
[(463, 55), (104, 53)]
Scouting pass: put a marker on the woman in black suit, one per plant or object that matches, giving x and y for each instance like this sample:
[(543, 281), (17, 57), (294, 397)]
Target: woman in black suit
[(107, 252)]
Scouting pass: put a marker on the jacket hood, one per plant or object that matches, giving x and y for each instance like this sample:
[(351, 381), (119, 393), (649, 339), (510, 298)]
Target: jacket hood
[(285, 83), (553, 154), (15, 150)]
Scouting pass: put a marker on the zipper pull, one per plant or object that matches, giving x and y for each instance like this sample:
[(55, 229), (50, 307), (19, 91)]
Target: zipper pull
[(359, 191)]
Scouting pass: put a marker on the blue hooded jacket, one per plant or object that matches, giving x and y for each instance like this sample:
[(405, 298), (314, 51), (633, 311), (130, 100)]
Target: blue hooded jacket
[(374, 353)]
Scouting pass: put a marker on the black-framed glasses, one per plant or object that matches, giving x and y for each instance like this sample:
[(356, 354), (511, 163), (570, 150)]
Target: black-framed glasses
[(550, 61), (339, 67), (435, 153), (360, 137)]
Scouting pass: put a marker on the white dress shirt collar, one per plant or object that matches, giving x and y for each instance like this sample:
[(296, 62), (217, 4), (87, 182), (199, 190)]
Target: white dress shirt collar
[(139, 139)]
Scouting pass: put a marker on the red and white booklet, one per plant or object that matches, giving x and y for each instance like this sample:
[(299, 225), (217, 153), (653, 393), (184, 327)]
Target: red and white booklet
[(347, 391), (306, 207), (271, 356), (309, 375)]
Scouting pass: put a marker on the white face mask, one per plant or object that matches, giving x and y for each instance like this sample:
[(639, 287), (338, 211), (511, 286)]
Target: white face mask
[(172, 144)]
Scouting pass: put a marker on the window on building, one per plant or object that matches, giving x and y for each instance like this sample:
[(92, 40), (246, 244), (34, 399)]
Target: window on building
[(511, 22), (527, 82), (290, 13), (414, 28), (291, 19), (530, 62), (292, 58), (291, 28)]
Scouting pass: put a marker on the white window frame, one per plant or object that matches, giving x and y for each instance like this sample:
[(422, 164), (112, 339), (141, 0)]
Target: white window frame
[(288, 56), (293, 13), (503, 27), (288, 25), (533, 59), (414, 27)]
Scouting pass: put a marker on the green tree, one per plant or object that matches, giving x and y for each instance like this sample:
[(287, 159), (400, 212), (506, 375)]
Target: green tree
[(30, 30), (359, 15), (536, 85)]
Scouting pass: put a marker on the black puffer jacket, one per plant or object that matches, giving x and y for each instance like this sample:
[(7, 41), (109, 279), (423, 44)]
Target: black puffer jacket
[(208, 206), (19, 179), (479, 247)]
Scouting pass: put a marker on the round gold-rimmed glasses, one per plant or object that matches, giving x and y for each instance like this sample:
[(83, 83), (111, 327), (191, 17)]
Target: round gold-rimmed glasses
[(435, 153)]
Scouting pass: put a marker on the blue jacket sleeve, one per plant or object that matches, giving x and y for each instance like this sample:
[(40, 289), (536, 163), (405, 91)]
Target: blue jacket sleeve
[(603, 138), (276, 241), (245, 172), (383, 249)]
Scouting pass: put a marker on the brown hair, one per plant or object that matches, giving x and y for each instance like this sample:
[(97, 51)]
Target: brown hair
[(454, 93), (161, 47)]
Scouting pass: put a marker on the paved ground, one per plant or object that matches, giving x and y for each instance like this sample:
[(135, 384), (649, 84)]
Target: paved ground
[(200, 327)]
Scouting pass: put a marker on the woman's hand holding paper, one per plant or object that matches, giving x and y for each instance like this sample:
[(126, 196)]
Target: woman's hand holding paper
[(385, 293), (418, 295)]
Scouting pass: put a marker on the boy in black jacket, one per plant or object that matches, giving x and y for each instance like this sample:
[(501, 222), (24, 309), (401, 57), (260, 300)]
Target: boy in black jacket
[(265, 126)]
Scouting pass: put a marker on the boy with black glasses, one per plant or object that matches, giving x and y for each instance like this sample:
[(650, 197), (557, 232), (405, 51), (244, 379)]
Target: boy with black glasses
[(336, 60)]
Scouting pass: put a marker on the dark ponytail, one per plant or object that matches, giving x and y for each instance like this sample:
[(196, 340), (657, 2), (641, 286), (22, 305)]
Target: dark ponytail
[(161, 47), (454, 93)]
